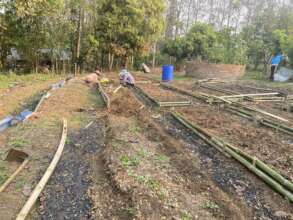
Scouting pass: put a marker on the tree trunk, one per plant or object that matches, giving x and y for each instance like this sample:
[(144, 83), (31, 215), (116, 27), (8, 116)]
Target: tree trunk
[(63, 66), (110, 61), (78, 43), (154, 55)]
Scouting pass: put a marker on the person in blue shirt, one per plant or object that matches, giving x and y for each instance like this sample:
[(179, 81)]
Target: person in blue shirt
[(275, 61)]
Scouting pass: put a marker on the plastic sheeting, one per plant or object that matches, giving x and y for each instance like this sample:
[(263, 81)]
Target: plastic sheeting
[(58, 85), (283, 75), (10, 120)]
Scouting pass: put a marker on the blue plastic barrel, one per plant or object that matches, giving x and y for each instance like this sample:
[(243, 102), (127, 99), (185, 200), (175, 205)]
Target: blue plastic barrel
[(168, 73)]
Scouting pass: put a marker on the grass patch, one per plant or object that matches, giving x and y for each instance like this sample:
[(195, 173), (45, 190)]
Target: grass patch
[(142, 153), (161, 160), (254, 75), (185, 215), (148, 182), (19, 184), (10, 80), (68, 141), (116, 146), (127, 161), (17, 143), (177, 77), (134, 129), (130, 211), (209, 205), (3, 174)]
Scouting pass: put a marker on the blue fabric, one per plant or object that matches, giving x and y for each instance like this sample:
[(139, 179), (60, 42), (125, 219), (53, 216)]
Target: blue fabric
[(277, 59), (5, 123)]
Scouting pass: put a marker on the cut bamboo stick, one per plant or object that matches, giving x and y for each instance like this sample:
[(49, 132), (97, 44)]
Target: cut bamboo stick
[(12, 177), (41, 185)]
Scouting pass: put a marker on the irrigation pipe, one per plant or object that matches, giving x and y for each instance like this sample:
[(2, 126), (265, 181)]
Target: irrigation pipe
[(41, 185), (268, 175)]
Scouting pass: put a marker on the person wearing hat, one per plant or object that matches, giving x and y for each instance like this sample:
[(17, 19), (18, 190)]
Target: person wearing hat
[(126, 78)]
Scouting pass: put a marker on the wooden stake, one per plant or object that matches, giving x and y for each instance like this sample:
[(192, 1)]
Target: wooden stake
[(41, 185)]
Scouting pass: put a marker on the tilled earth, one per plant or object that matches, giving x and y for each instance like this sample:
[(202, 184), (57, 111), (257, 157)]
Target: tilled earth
[(262, 201), (136, 162), (67, 194)]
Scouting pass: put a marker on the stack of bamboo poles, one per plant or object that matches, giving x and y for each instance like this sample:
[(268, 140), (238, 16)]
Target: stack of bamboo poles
[(259, 168), (270, 96), (239, 109)]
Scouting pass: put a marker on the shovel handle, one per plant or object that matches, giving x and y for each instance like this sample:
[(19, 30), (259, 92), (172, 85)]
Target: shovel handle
[(12, 177)]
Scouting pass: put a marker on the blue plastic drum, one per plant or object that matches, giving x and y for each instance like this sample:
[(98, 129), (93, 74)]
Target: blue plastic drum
[(168, 73)]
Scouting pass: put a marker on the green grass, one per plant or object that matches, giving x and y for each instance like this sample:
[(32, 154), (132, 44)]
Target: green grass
[(134, 129), (9, 80), (142, 153), (209, 205), (17, 143), (260, 80), (3, 174), (177, 77), (185, 215), (161, 160), (19, 184), (254, 75), (127, 161)]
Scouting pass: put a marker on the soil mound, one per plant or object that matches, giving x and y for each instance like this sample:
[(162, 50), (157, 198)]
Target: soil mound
[(211, 70)]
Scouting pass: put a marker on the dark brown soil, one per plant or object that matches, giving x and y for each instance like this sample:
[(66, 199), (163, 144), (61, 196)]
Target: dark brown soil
[(160, 94)]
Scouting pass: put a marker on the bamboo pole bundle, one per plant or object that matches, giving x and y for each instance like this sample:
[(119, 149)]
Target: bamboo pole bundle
[(264, 172)]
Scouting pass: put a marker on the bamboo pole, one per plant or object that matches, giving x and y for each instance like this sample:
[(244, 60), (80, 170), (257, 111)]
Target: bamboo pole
[(274, 181), (148, 96), (174, 104), (12, 177), (252, 95), (220, 90), (41, 185)]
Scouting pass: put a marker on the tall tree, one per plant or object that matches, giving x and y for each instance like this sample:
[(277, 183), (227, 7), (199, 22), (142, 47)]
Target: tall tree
[(128, 27)]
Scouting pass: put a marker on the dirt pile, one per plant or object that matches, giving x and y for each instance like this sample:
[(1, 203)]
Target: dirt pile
[(209, 70)]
